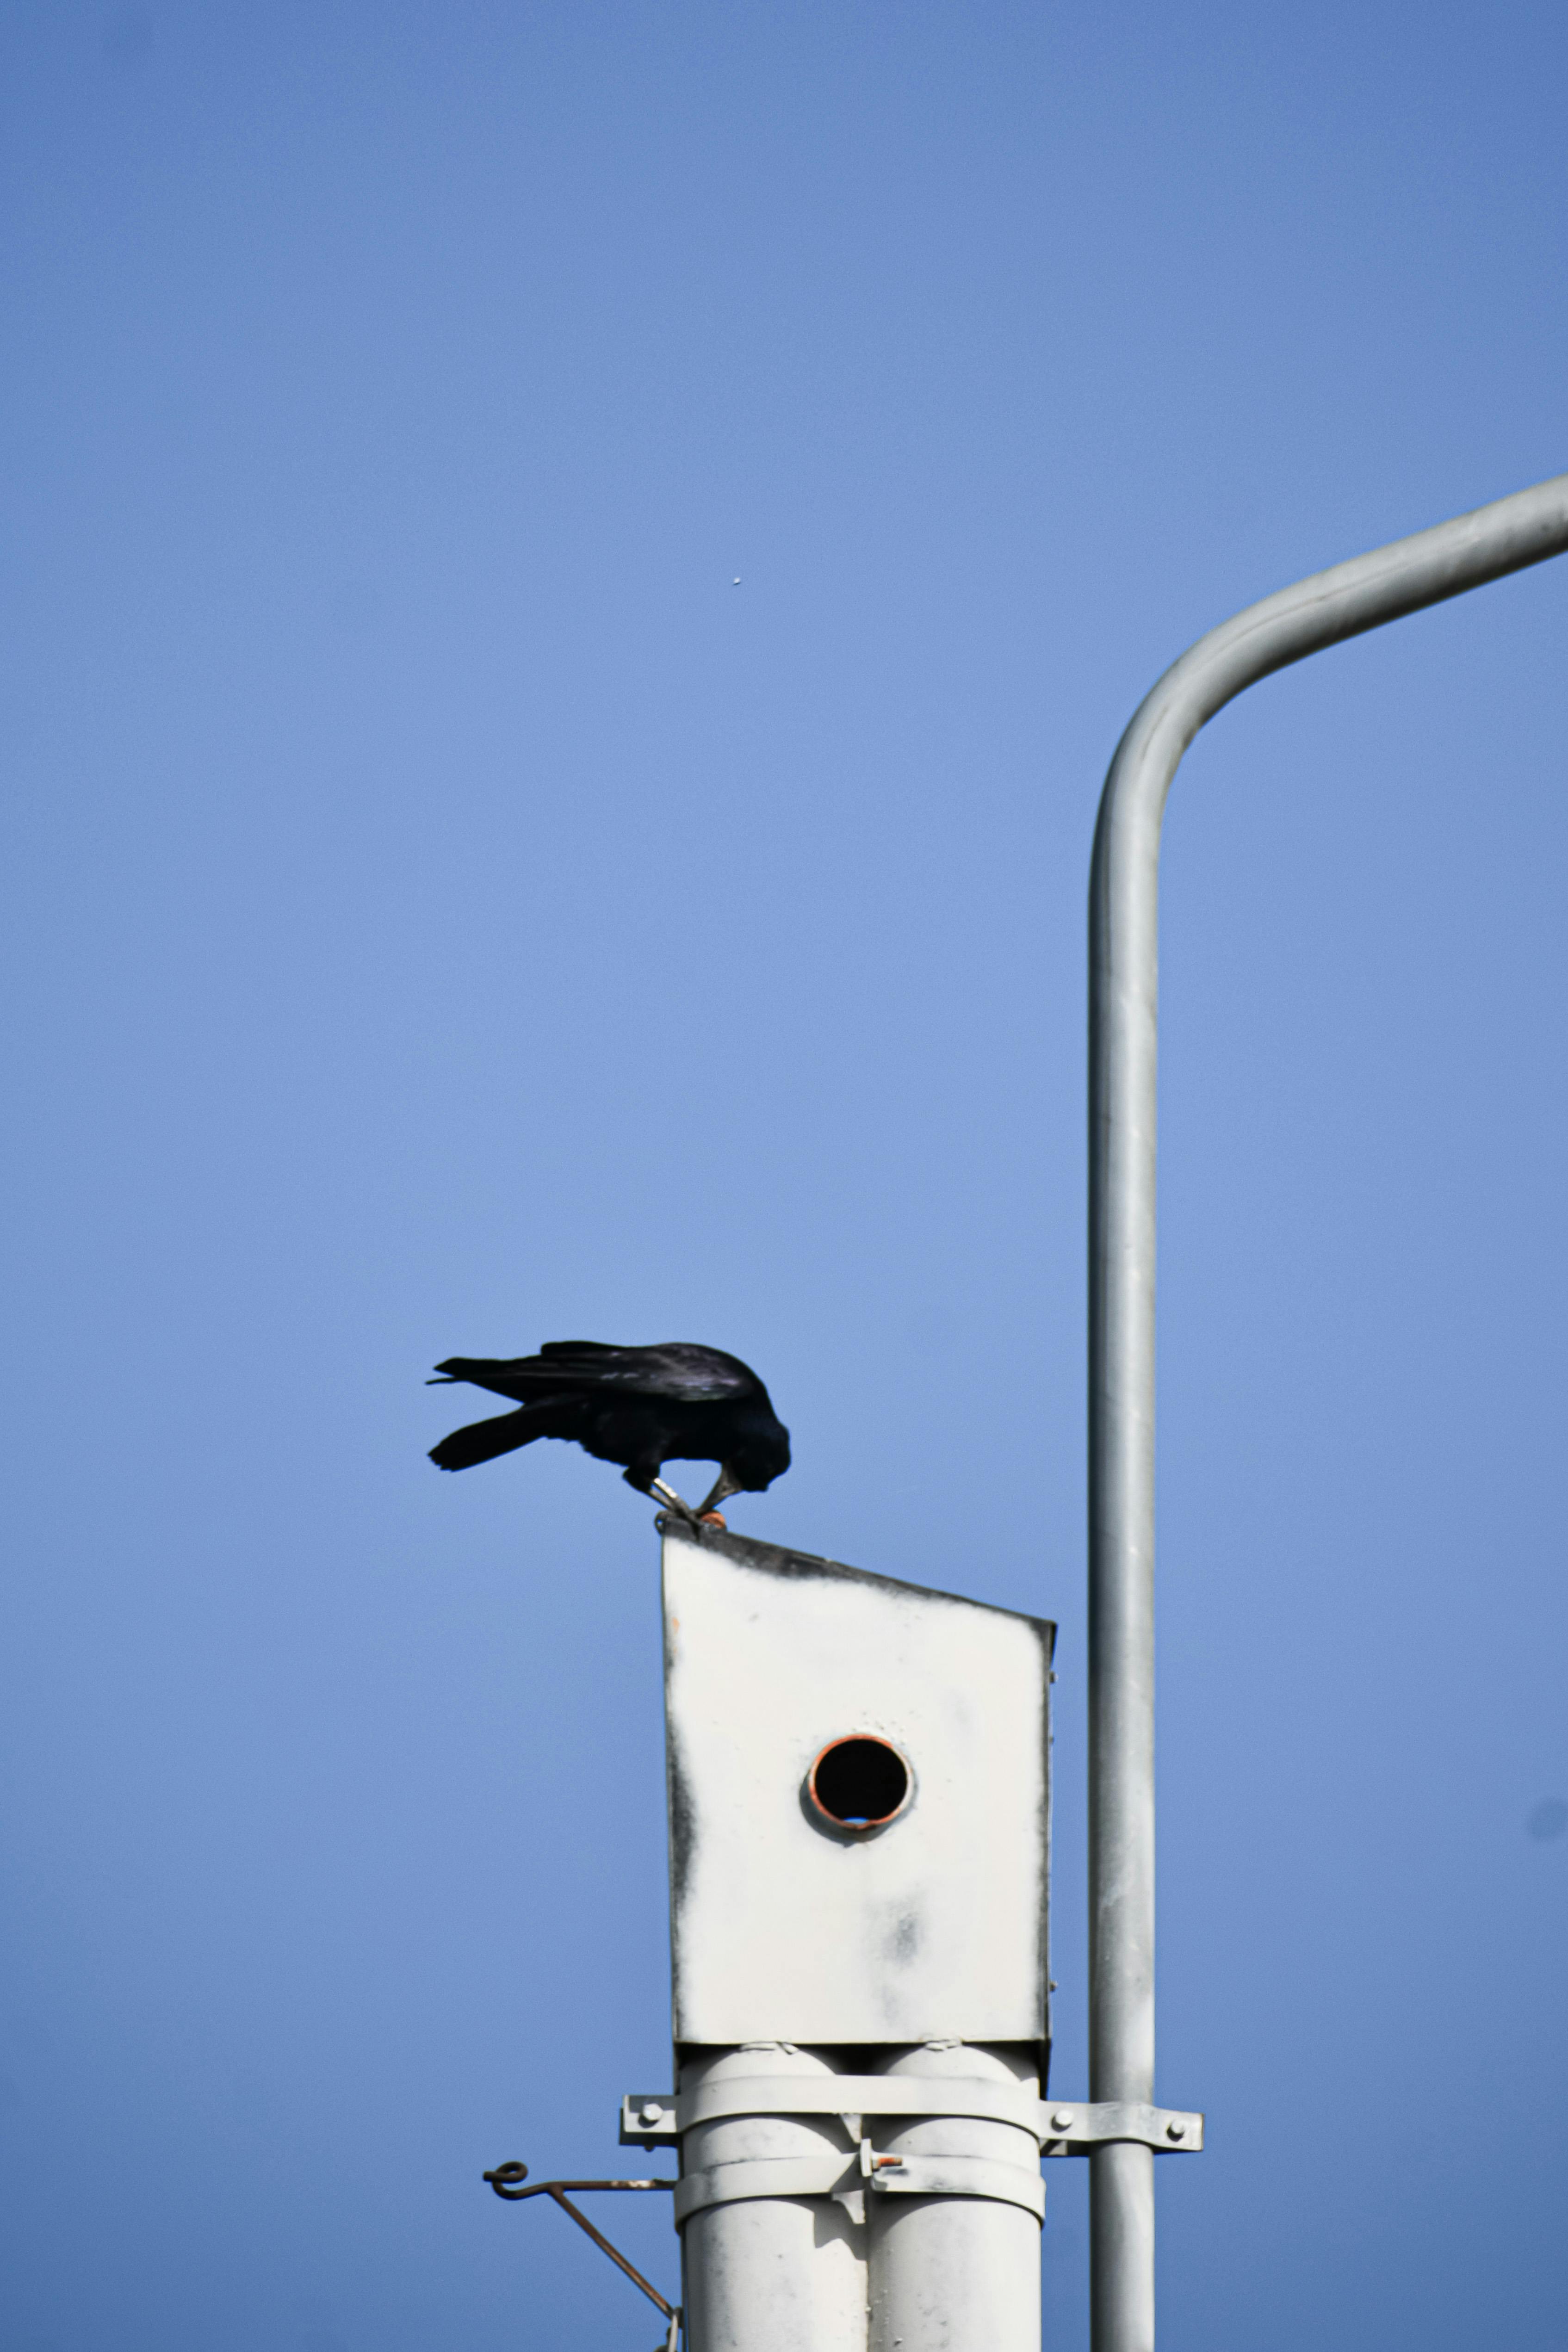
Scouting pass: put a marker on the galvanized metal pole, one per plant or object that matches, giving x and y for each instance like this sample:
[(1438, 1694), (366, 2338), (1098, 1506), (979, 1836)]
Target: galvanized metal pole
[(1123, 979)]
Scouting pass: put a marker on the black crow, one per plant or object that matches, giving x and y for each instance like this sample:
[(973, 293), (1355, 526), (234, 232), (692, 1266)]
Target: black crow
[(639, 1406)]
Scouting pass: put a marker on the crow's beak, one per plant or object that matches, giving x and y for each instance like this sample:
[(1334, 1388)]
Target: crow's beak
[(725, 1483)]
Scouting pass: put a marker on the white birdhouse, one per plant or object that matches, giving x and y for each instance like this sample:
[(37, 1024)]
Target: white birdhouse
[(859, 1804)]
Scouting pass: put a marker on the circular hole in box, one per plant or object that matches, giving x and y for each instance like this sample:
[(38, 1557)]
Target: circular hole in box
[(859, 1783)]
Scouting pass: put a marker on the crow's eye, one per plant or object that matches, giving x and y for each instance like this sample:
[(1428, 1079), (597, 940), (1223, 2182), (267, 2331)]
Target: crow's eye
[(859, 1783)]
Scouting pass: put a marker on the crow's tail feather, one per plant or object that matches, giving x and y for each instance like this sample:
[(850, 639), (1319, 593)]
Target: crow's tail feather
[(481, 1441)]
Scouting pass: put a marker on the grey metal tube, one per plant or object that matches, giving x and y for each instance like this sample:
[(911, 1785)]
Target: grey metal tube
[(769, 2273), (1123, 1012), (954, 2273)]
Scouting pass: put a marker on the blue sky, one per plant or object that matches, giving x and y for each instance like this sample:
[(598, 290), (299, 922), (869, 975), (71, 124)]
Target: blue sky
[(445, 913)]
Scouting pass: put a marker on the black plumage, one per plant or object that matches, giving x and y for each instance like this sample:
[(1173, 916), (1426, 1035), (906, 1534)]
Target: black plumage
[(641, 1407)]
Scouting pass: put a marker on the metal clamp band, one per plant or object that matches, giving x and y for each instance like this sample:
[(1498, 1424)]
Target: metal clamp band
[(829, 2175), (823, 2094), (953, 2176), (1062, 2127)]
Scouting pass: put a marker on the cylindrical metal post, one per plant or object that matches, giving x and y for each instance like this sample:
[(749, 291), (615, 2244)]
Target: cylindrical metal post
[(954, 2273), (1123, 979), (769, 2273)]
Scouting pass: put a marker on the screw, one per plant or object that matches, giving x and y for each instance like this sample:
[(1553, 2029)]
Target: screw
[(1176, 2131), (649, 2113), (1062, 2119)]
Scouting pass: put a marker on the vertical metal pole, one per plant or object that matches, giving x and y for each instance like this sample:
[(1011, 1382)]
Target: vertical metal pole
[(954, 2273), (1123, 1026)]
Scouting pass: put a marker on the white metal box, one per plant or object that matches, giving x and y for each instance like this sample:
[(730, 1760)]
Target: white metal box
[(859, 1803)]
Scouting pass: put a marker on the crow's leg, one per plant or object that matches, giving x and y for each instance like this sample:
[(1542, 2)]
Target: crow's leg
[(725, 1483), (645, 1477)]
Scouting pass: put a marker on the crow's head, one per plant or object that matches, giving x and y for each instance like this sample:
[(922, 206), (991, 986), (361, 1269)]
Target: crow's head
[(755, 1460)]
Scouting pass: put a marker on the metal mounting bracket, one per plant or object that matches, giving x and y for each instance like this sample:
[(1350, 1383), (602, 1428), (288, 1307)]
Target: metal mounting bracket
[(1072, 2127)]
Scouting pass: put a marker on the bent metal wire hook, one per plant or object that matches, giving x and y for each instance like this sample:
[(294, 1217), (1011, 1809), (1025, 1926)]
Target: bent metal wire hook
[(506, 2181)]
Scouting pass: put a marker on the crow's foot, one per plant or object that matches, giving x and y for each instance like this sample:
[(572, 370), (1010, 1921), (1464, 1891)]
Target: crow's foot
[(673, 1502)]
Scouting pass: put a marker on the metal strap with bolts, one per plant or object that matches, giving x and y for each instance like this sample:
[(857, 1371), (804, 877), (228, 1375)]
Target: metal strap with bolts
[(1062, 2127), (831, 2175)]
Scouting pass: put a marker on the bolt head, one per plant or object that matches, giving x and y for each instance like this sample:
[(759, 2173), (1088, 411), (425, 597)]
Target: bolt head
[(1176, 2131), (650, 2113), (1062, 2120)]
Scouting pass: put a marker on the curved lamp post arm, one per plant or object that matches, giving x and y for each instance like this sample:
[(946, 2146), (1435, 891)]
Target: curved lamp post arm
[(1123, 1015)]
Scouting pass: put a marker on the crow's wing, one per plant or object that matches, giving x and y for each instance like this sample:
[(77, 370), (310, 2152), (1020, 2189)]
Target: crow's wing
[(678, 1369)]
